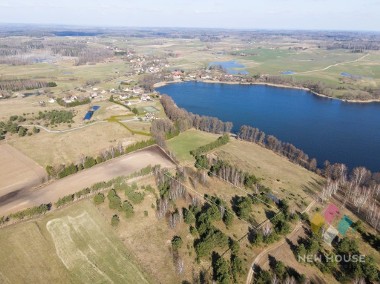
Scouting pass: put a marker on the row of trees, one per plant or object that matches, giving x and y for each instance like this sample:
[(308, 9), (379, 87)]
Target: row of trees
[(30, 212), (86, 162), (232, 174), (222, 140), (288, 150), (186, 120), (24, 84)]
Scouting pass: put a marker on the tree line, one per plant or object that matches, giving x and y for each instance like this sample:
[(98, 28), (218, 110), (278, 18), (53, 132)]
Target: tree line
[(285, 149), (232, 174), (185, 120), (24, 84), (62, 170), (222, 140)]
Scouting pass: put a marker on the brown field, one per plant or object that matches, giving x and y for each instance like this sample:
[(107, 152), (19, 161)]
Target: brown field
[(124, 165), (287, 180), (18, 172), (60, 148)]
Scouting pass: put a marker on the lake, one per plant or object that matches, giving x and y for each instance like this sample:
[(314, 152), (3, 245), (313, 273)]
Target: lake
[(323, 128), (231, 67)]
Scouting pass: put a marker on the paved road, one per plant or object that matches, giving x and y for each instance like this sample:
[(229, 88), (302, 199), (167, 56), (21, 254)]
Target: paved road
[(28, 197)]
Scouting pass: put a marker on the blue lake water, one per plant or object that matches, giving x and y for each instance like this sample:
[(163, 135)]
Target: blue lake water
[(323, 128), (231, 67)]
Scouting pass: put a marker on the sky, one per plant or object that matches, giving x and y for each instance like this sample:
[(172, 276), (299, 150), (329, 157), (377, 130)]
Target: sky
[(235, 14)]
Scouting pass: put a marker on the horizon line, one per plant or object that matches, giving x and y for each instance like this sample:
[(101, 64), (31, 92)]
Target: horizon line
[(52, 25)]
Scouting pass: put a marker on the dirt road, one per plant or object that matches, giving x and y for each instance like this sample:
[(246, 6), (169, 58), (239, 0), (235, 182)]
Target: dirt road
[(274, 246), (28, 197), (333, 65), (65, 130)]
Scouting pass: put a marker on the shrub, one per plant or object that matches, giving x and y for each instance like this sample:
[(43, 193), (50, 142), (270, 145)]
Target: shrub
[(99, 198), (177, 242), (128, 209), (115, 220)]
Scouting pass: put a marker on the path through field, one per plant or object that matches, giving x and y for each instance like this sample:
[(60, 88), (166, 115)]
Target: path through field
[(332, 65), (62, 131), (122, 166)]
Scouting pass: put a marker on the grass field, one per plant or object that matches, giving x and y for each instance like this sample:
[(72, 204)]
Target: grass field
[(73, 245), (286, 179), (187, 141)]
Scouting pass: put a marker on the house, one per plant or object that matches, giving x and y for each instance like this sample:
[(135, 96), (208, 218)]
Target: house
[(137, 90), (124, 97), (70, 99), (145, 98)]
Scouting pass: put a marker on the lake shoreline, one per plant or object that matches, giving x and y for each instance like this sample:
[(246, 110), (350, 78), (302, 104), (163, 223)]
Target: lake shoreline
[(325, 129), (164, 83)]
